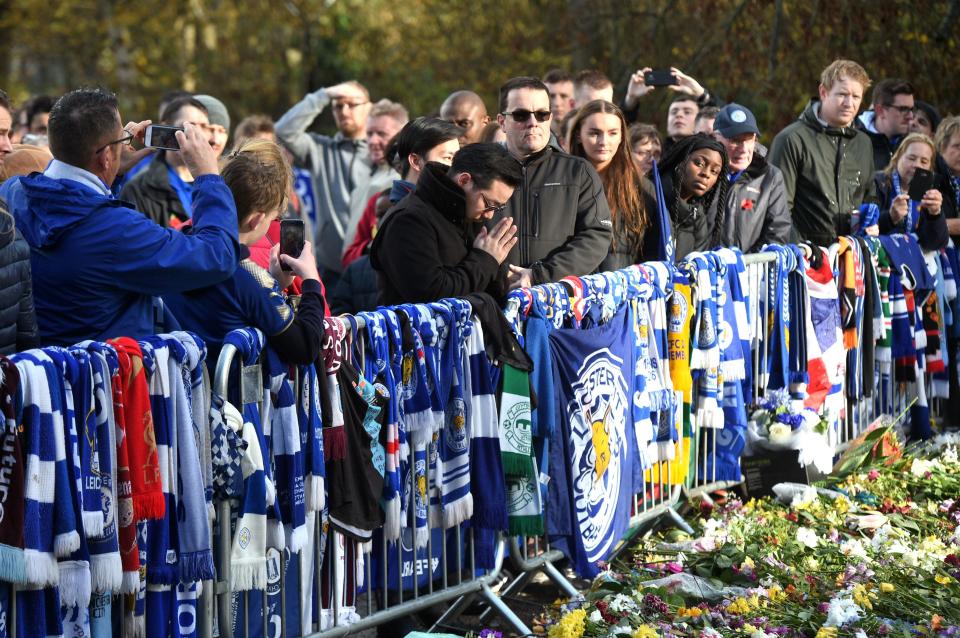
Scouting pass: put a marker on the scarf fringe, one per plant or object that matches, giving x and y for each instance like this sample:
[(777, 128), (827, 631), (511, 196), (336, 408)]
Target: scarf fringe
[(40, 568), (93, 524), (493, 517), (711, 415), (526, 525), (12, 566), (66, 544), (130, 583), (106, 572), (275, 535), (458, 511), (391, 522), (666, 450), (149, 506), (248, 573), (298, 539), (75, 586), (733, 370), (315, 493), (334, 443), (196, 566), (133, 626), (422, 536), (517, 464), (270, 490), (660, 400)]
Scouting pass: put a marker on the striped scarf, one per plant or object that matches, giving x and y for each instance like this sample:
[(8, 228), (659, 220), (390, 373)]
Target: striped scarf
[(12, 568), (705, 347)]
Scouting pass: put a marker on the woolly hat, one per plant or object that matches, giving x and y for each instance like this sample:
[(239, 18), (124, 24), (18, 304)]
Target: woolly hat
[(216, 110), (25, 159)]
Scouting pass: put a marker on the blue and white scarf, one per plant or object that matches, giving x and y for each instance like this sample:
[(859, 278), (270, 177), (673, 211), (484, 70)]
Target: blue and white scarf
[(912, 220), (311, 438), (667, 248)]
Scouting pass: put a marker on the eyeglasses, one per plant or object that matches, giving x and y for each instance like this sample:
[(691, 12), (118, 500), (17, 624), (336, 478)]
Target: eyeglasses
[(903, 110), (523, 115), (342, 106), (126, 140), (487, 206)]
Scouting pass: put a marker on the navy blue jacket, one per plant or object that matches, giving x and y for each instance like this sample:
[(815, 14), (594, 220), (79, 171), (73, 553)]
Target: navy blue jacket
[(97, 263)]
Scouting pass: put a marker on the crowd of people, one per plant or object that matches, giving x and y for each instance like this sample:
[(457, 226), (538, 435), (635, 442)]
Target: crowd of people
[(102, 236)]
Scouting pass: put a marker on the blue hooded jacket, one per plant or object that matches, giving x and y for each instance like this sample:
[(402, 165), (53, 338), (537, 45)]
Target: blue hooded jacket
[(97, 263)]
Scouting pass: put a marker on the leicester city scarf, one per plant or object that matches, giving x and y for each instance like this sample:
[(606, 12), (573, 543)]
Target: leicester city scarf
[(383, 332), (666, 247), (49, 526), (516, 443), (311, 438)]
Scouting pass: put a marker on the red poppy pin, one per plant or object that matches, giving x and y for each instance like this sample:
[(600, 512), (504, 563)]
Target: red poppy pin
[(746, 204)]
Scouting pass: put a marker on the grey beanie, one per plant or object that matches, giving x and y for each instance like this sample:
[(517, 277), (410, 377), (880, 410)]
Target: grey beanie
[(216, 110)]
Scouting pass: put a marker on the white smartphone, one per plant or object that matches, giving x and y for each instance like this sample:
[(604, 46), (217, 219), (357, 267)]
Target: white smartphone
[(162, 137)]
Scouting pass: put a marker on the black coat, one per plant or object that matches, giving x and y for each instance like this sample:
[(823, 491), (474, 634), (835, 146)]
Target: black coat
[(18, 323), (932, 229), (948, 190), (423, 250), (627, 249), (150, 193), (356, 290)]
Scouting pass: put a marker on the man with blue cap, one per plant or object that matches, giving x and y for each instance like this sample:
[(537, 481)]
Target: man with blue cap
[(757, 211)]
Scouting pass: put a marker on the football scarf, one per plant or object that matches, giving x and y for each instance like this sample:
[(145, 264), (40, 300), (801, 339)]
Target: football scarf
[(912, 220), (12, 568), (826, 358), (667, 248), (516, 442)]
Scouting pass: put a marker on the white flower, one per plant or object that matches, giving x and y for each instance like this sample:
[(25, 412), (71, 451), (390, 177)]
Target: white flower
[(808, 537), (841, 612), (860, 634), (779, 433), (761, 634), (875, 520), (621, 602), (596, 616), (853, 547), (920, 467), (709, 632)]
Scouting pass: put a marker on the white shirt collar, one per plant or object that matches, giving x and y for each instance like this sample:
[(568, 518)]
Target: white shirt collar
[(61, 170)]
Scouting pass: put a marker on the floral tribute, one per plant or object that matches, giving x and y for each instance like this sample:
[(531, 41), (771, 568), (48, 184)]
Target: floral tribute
[(873, 550)]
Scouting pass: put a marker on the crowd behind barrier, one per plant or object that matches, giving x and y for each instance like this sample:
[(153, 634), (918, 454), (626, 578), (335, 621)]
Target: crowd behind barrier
[(436, 438)]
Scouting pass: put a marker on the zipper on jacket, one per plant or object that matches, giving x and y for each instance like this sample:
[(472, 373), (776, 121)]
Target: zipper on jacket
[(840, 212), (523, 216), (536, 214)]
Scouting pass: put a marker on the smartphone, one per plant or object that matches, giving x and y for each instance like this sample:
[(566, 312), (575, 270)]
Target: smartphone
[(659, 77), (163, 137), (921, 182), (291, 239)]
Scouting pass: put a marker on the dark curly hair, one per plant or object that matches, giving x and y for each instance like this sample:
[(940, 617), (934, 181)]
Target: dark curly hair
[(716, 198)]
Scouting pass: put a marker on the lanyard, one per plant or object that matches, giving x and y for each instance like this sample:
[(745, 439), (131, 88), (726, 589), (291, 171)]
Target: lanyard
[(183, 190)]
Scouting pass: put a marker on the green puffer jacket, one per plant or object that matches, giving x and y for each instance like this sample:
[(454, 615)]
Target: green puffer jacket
[(827, 172)]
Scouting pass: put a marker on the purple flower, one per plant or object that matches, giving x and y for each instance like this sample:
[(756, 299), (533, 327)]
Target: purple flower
[(490, 633)]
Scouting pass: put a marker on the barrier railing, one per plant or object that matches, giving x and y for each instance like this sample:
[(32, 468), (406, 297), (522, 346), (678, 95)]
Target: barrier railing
[(448, 578)]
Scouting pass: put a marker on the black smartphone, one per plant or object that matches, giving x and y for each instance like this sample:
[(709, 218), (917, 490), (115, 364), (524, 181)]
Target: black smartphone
[(162, 137), (920, 183), (659, 77), (291, 239)]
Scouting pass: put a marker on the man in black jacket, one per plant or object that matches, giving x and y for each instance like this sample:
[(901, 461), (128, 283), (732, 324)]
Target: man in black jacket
[(560, 208), (427, 247), (163, 190), (889, 118)]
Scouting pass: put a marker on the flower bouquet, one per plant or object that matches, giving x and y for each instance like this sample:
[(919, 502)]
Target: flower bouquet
[(780, 423)]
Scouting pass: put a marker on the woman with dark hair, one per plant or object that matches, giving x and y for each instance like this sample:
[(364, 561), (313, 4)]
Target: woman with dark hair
[(900, 214), (694, 193), (425, 139), (598, 134)]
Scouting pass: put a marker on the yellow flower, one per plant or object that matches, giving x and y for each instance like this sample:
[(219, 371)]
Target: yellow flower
[(739, 606), (692, 612), (861, 598), (886, 588), (943, 580), (775, 594), (570, 626), (646, 631), (748, 629), (748, 562), (841, 505), (827, 632)]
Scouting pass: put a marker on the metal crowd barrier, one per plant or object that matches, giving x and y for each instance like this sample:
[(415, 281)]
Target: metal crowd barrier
[(459, 580)]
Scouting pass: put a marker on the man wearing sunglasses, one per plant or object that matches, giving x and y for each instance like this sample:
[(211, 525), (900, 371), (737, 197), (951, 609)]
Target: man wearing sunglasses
[(98, 264), (338, 165), (560, 209), (431, 245), (888, 119)]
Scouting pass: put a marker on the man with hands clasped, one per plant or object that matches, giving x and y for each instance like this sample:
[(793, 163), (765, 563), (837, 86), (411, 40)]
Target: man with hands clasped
[(431, 245)]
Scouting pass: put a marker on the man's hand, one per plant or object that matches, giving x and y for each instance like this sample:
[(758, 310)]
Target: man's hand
[(498, 241), (686, 84), (518, 277), (932, 201), (637, 87), (872, 231), (196, 151), (344, 91), (283, 277), (953, 227), (138, 130), (304, 266), (899, 208)]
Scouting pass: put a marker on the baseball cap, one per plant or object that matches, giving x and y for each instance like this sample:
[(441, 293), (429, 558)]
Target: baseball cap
[(734, 120)]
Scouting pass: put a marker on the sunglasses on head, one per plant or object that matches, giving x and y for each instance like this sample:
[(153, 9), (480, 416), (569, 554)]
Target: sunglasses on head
[(523, 115)]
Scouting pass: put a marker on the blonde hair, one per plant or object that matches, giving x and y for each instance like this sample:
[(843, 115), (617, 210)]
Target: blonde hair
[(258, 176), (839, 69), (913, 138), (388, 108), (949, 127)]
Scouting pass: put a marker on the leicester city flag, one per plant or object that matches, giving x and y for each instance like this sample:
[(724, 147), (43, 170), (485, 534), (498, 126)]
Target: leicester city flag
[(592, 462)]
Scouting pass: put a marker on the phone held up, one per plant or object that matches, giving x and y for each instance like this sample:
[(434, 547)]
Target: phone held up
[(920, 183), (162, 137), (291, 239), (659, 77)]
